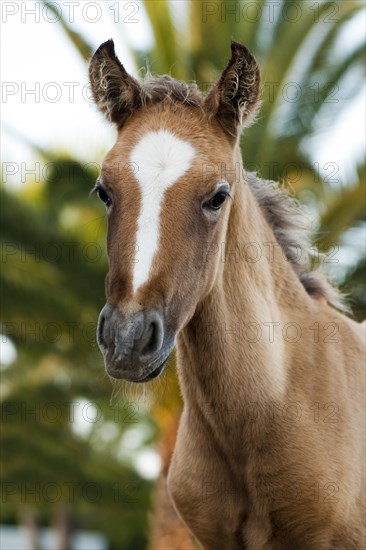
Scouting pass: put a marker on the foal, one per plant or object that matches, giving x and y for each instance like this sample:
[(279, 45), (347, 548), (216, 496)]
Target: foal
[(204, 256)]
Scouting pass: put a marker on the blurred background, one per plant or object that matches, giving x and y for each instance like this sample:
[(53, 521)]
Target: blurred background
[(83, 463)]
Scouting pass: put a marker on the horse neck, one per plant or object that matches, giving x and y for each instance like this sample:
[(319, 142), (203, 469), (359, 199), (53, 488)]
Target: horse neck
[(225, 354)]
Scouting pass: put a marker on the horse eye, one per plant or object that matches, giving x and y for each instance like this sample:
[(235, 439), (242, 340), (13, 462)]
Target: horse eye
[(217, 200), (104, 197)]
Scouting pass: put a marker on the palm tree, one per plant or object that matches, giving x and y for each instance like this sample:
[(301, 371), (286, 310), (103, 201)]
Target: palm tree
[(50, 293), (297, 45)]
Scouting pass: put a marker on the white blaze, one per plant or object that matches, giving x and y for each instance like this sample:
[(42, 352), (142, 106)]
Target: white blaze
[(161, 159)]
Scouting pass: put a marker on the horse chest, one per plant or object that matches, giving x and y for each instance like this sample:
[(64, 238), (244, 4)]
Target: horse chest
[(211, 495), (232, 503)]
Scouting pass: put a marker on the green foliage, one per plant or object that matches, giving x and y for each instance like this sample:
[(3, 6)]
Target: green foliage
[(45, 466), (54, 263)]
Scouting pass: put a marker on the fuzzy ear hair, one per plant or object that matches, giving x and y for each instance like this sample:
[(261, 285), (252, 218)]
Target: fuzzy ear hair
[(234, 98), (116, 93)]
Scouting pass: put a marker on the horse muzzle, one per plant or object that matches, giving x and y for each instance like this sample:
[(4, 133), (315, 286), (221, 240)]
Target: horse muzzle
[(135, 347)]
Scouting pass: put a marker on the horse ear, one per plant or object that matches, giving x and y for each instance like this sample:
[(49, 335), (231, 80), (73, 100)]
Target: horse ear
[(116, 93), (234, 98)]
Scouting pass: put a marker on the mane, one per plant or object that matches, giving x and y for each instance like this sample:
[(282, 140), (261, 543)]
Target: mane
[(281, 210), (164, 87), (292, 232)]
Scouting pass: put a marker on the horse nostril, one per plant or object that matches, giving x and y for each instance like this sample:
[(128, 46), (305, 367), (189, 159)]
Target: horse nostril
[(100, 335), (153, 336)]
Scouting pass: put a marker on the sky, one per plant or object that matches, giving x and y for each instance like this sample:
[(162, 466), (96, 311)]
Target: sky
[(38, 57)]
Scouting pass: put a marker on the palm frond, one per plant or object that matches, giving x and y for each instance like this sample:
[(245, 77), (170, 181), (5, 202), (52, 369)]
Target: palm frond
[(82, 46)]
